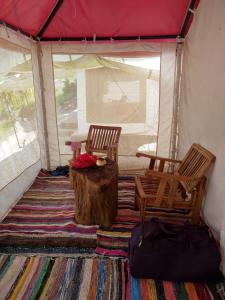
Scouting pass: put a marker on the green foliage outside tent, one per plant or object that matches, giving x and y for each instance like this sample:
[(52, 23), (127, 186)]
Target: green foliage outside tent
[(67, 92), (15, 106), (19, 105)]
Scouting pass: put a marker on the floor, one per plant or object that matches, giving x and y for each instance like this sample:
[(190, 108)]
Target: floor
[(46, 255)]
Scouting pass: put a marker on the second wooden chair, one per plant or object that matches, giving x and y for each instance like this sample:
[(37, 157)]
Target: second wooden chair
[(172, 188)]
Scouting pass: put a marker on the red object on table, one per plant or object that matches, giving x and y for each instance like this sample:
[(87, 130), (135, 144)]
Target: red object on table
[(84, 161)]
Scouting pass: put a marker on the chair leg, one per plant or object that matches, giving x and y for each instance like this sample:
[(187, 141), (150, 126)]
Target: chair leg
[(198, 201), (116, 155), (136, 200), (142, 209)]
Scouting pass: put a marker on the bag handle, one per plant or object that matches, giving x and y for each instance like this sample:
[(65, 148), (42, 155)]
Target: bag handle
[(161, 227)]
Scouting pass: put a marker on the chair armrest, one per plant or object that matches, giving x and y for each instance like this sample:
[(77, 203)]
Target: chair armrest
[(139, 154), (162, 162), (76, 150), (68, 143)]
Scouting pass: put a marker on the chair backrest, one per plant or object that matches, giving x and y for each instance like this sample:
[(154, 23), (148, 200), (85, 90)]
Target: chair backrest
[(99, 137), (195, 163)]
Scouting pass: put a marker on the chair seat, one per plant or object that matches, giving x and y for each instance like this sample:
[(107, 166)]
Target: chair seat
[(150, 188)]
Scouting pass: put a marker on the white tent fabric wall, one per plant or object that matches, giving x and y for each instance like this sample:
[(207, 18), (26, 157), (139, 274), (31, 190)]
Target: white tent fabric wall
[(167, 84), (14, 181), (201, 117), (50, 106), (168, 60), (40, 105), (19, 147), (12, 192)]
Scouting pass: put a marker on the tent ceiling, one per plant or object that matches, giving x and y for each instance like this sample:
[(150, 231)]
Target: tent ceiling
[(51, 20)]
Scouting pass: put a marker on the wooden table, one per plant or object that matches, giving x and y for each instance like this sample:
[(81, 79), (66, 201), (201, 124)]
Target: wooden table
[(96, 194)]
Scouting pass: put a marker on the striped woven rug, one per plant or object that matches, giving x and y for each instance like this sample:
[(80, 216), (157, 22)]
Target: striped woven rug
[(89, 278), (44, 216), (113, 241)]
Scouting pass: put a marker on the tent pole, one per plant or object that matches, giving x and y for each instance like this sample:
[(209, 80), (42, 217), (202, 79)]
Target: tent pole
[(24, 33), (49, 18), (43, 107), (175, 132), (190, 11), (116, 38)]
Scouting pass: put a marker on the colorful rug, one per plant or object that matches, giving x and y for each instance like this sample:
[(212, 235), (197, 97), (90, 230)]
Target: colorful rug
[(113, 241), (89, 278), (44, 216)]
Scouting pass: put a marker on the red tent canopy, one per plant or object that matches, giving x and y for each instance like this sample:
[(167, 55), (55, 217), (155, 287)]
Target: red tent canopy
[(51, 20)]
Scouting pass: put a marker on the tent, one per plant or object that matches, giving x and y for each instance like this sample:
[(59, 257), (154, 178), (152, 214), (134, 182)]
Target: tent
[(187, 38), (73, 21)]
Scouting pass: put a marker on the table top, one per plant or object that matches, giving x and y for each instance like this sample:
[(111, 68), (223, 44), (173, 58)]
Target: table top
[(98, 174)]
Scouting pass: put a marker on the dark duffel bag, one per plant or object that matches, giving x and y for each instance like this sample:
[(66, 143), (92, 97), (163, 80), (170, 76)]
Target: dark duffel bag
[(171, 252)]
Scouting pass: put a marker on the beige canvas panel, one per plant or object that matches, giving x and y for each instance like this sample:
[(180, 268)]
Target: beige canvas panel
[(202, 103)]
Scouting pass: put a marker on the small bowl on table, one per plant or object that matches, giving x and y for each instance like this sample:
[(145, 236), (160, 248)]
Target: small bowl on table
[(101, 162)]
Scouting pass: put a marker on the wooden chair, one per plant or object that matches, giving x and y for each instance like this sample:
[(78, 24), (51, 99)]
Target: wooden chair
[(100, 139), (173, 188)]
